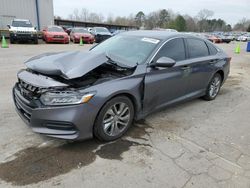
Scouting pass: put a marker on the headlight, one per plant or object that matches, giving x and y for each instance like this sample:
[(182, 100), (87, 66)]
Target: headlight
[(65, 98)]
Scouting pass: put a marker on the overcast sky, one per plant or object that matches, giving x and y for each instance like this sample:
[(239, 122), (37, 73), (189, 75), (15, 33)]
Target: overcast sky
[(229, 10)]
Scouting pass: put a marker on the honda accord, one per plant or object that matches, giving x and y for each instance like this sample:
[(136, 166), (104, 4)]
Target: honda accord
[(100, 93)]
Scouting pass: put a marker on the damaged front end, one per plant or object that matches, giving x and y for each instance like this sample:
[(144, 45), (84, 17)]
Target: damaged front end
[(48, 99)]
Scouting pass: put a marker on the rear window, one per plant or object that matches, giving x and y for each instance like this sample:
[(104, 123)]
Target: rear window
[(197, 48), (212, 49)]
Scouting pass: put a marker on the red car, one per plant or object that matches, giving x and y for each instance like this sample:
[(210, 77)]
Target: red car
[(77, 33), (55, 34)]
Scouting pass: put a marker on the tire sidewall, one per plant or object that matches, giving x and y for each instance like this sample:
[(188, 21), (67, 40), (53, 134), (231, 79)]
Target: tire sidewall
[(98, 127), (208, 96)]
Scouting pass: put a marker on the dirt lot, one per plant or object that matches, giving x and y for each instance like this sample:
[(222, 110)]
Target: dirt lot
[(196, 144)]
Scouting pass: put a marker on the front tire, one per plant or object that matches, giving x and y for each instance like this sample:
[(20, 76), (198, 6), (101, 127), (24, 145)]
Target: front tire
[(114, 119), (213, 88)]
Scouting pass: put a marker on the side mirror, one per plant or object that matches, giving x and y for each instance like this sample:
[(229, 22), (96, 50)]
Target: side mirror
[(8, 26), (35, 28), (164, 62)]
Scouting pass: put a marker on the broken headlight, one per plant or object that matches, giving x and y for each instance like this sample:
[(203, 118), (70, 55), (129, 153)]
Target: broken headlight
[(58, 98)]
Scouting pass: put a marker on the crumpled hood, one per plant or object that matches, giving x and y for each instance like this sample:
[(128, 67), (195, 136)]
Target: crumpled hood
[(69, 65)]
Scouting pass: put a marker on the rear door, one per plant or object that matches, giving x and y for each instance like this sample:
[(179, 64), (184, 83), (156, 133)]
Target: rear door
[(166, 85), (201, 65)]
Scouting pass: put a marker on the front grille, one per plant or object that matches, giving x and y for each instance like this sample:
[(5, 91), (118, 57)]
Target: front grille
[(29, 91), (58, 36)]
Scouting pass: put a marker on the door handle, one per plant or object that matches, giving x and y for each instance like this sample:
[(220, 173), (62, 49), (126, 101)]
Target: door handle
[(185, 67), (213, 61)]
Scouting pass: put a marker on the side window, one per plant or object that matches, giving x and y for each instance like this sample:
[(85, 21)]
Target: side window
[(173, 49), (212, 49), (197, 48)]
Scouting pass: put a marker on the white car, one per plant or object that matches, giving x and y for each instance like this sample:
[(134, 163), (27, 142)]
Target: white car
[(244, 38), (22, 30)]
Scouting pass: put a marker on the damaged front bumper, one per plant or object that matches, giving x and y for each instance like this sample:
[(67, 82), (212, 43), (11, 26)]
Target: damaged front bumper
[(73, 122)]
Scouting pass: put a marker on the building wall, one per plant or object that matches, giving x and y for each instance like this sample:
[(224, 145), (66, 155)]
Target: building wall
[(26, 9)]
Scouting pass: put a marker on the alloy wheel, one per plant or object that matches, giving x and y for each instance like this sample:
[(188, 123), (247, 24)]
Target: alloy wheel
[(116, 119)]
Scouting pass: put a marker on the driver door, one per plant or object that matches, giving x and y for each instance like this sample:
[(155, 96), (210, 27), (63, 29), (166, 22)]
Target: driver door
[(165, 86)]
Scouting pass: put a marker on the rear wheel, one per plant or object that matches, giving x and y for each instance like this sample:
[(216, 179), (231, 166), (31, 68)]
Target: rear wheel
[(114, 119), (213, 88)]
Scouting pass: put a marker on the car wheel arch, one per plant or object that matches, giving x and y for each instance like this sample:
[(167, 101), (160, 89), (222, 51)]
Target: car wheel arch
[(221, 73)]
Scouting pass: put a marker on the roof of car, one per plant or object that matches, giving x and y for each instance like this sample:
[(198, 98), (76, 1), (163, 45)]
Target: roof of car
[(161, 35)]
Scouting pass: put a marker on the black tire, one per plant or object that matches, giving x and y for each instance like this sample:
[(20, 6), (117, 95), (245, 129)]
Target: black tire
[(36, 41), (12, 40), (99, 131), (215, 80)]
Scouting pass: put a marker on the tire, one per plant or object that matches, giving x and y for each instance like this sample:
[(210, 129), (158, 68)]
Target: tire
[(12, 40), (118, 114), (213, 87), (36, 41)]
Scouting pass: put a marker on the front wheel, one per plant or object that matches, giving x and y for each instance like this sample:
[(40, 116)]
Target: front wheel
[(213, 88), (114, 119)]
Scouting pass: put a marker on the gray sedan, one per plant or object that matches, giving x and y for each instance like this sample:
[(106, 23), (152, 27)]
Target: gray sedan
[(99, 93)]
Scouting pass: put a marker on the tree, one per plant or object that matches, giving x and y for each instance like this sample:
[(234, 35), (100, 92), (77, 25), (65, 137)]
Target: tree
[(190, 23), (164, 18), (179, 23), (140, 18), (204, 14), (84, 16)]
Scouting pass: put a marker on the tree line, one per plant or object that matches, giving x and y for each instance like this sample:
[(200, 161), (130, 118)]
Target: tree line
[(164, 18)]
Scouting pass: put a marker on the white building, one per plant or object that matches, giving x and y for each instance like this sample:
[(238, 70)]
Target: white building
[(39, 12)]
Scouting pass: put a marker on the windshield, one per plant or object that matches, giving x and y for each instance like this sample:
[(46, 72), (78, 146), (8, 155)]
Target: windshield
[(134, 50), (101, 29), (80, 31), (55, 29), (21, 24)]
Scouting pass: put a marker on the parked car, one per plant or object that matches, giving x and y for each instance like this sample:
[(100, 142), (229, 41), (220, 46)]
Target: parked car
[(55, 34), (225, 39), (100, 34), (22, 30), (214, 39), (116, 32), (78, 33), (244, 38), (99, 93)]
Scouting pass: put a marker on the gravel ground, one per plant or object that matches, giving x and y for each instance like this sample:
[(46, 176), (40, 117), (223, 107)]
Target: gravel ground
[(195, 144)]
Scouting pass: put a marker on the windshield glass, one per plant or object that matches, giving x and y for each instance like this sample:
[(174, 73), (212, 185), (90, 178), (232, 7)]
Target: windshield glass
[(21, 24), (101, 29), (134, 50), (55, 29), (80, 31)]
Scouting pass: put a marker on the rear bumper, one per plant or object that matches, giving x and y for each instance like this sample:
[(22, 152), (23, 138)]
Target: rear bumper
[(73, 122)]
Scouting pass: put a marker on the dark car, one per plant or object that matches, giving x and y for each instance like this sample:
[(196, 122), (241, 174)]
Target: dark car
[(99, 93), (100, 34)]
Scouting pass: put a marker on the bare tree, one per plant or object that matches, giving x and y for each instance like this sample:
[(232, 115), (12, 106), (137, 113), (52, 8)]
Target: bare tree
[(84, 14), (204, 14)]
